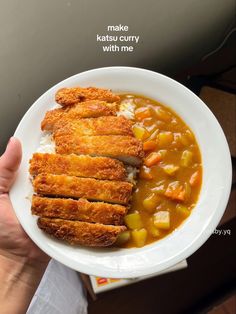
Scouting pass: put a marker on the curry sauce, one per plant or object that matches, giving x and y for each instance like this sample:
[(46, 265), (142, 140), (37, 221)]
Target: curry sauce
[(169, 180)]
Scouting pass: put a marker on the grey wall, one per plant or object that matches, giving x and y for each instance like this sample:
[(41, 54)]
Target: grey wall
[(43, 42)]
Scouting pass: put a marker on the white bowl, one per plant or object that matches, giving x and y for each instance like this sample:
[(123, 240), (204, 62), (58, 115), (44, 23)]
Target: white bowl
[(217, 174)]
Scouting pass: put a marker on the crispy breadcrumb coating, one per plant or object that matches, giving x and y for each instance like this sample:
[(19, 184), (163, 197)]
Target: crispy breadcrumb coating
[(80, 166), (126, 148), (71, 96), (87, 109), (82, 190), (81, 233), (68, 186), (82, 209), (93, 126)]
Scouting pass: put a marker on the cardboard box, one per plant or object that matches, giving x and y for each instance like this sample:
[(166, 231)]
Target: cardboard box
[(100, 284)]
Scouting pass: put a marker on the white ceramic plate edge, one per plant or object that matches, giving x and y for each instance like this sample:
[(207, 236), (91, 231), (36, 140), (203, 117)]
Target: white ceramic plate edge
[(171, 261)]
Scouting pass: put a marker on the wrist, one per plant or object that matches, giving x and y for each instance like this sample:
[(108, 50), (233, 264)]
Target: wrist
[(19, 279), (7, 259)]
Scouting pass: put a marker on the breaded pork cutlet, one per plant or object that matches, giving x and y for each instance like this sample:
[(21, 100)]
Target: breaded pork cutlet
[(126, 148), (68, 186), (93, 126), (82, 209), (79, 166), (82, 233), (74, 95), (87, 109)]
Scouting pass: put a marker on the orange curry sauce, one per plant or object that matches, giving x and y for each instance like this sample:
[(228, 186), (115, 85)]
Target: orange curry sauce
[(169, 180)]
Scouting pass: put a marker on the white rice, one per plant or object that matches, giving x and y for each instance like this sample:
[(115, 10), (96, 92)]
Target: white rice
[(46, 144), (127, 109), (132, 174)]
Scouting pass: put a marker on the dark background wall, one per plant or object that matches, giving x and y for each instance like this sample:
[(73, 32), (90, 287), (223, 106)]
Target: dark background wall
[(43, 42)]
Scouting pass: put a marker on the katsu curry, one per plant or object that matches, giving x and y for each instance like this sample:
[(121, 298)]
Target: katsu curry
[(122, 170)]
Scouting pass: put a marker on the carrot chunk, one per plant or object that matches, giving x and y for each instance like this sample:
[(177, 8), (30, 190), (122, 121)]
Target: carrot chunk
[(149, 145), (145, 173), (142, 114), (195, 178), (152, 159), (175, 191)]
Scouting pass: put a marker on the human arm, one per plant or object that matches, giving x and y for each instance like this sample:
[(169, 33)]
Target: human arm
[(22, 263)]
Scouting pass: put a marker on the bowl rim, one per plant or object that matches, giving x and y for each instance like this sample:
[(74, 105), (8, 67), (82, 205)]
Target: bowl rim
[(187, 251)]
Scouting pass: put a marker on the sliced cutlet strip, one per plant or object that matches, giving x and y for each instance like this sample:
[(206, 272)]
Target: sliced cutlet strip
[(80, 166), (125, 148), (94, 126), (68, 186), (81, 233), (82, 209), (50, 118), (91, 109), (74, 95), (87, 109)]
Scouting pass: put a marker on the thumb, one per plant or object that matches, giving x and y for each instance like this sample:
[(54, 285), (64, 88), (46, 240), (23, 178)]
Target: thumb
[(9, 164)]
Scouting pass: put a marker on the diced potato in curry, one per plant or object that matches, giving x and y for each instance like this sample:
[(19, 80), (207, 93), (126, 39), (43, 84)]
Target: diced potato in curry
[(139, 237), (152, 229), (133, 221), (165, 139), (182, 210), (151, 202), (170, 169), (140, 132), (162, 219), (186, 158), (123, 237)]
